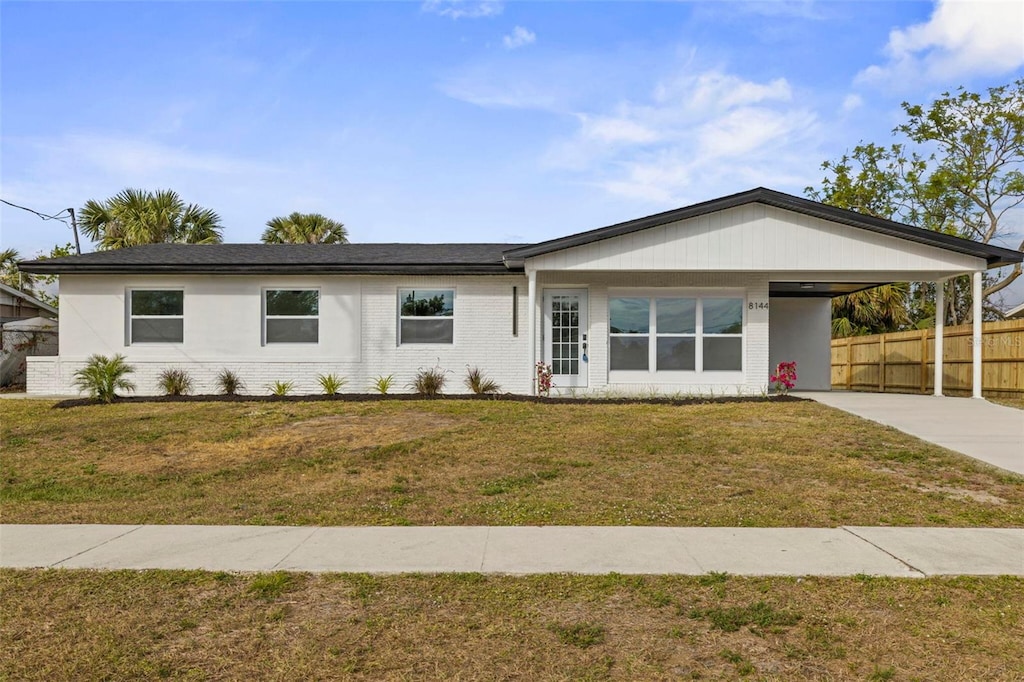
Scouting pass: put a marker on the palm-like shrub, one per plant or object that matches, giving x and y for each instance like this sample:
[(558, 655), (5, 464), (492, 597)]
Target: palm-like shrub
[(102, 377), (331, 383), (430, 382), (382, 384), (229, 382), (280, 388), (175, 382), (480, 383)]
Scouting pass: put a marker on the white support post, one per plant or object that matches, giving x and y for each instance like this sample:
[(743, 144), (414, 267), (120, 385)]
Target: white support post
[(976, 336), (531, 327), (940, 324)]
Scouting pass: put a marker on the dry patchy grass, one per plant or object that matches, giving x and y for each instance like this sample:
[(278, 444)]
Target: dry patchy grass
[(484, 463), (117, 625)]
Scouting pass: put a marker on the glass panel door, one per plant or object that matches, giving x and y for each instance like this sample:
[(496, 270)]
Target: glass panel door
[(565, 336)]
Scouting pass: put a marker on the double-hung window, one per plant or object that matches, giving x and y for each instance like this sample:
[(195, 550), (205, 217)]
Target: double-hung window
[(291, 316), (156, 316), (675, 334), (426, 316)]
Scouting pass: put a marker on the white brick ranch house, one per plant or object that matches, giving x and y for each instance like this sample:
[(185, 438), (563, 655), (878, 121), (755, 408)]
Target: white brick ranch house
[(702, 299)]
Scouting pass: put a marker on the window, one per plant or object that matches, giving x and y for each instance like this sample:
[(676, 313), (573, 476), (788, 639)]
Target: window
[(156, 316), (426, 316), (675, 334), (291, 316)]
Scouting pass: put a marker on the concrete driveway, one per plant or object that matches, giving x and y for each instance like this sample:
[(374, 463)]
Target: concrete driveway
[(977, 428)]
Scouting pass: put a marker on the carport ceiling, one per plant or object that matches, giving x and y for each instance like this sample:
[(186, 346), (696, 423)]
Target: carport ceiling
[(818, 289)]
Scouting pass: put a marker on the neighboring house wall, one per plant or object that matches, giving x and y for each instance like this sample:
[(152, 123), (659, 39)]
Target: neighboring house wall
[(358, 335), (800, 331)]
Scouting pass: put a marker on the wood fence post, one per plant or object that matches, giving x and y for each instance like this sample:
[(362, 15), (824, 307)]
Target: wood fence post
[(849, 363), (881, 363), (924, 361)]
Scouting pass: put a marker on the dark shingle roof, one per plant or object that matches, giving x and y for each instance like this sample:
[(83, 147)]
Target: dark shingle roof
[(285, 258), (465, 259), (994, 255)]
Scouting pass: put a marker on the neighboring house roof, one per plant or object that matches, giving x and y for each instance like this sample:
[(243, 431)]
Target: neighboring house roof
[(31, 300), (1015, 313), (284, 258), (994, 255), (461, 258)]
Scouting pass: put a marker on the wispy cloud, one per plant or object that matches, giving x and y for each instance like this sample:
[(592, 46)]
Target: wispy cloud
[(961, 38), (520, 37), (693, 131), (464, 9)]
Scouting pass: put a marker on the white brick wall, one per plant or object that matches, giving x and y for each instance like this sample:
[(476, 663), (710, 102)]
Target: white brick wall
[(358, 332)]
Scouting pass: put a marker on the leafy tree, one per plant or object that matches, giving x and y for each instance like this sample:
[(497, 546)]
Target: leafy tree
[(957, 170), (304, 228), (41, 281), (11, 276), (134, 216)]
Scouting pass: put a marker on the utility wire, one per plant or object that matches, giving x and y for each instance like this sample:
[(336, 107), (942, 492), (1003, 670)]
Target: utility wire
[(62, 218), (41, 215)]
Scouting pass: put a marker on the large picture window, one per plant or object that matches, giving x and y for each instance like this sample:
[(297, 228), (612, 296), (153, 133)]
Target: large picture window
[(675, 334), (291, 316), (156, 316), (426, 316)]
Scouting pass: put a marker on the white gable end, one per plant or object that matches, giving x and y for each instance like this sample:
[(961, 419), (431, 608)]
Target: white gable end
[(757, 237)]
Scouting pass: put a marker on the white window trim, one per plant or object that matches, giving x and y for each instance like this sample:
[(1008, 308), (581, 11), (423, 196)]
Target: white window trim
[(129, 317), (671, 375), (400, 316), (264, 316)]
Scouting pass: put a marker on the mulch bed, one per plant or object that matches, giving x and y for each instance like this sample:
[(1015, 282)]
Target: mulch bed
[(375, 397)]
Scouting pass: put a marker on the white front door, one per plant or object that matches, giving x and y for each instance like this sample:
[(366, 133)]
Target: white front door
[(565, 336)]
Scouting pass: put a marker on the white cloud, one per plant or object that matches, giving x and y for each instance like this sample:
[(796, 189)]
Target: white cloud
[(693, 132), (962, 37), (852, 102), (464, 9), (520, 37)]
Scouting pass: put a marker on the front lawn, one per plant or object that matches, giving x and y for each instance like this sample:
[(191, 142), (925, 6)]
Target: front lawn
[(484, 463), (120, 625)]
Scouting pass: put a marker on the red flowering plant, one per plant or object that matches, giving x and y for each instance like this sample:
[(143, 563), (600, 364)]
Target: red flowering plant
[(543, 379), (784, 379)]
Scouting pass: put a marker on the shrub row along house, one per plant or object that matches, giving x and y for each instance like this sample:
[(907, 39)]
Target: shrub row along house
[(704, 299)]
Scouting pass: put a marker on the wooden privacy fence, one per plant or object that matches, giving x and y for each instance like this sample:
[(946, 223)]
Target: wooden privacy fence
[(904, 362)]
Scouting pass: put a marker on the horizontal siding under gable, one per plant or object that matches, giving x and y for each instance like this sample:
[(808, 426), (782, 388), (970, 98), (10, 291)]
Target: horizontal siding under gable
[(757, 237)]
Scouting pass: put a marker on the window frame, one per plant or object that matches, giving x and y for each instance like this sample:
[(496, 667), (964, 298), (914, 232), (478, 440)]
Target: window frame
[(265, 316), (130, 317), (400, 296), (653, 334)]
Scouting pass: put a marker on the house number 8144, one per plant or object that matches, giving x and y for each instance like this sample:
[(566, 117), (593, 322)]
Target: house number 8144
[(757, 305)]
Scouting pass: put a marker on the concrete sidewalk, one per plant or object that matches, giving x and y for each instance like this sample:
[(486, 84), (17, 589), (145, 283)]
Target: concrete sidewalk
[(976, 428), (901, 552)]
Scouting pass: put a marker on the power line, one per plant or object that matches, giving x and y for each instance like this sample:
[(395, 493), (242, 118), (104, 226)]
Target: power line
[(41, 215), (62, 218)]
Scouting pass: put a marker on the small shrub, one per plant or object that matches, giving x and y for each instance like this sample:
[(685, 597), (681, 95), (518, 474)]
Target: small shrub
[(281, 387), (229, 382), (383, 384), (331, 383), (102, 377), (430, 382), (544, 379), (479, 383), (175, 382), (582, 635)]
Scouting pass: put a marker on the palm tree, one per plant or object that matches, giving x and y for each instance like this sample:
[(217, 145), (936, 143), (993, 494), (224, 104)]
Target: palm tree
[(872, 311), (304, 228), (10, 275), (135, 216)]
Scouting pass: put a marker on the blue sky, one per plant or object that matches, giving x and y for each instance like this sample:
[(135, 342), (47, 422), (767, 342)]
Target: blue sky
[(462, 121)]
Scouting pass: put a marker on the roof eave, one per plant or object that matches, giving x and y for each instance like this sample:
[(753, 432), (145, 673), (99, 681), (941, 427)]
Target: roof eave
[(277, 269)]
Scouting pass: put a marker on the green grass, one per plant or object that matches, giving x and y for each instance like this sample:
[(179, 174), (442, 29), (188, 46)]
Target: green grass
[(120, 625), (485, 463)]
